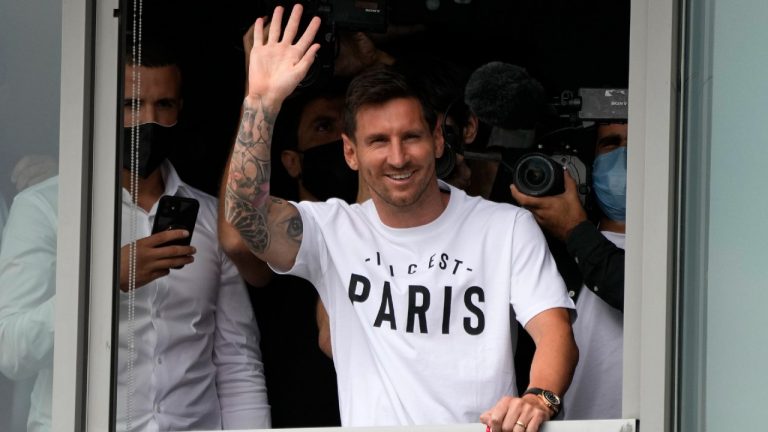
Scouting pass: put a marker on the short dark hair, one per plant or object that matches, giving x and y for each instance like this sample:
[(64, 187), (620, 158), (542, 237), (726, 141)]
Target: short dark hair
[(377, 86), (155, 49), (442, 82)]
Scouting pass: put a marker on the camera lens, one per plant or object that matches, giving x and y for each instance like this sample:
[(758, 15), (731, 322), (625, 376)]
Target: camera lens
[(537, 174)]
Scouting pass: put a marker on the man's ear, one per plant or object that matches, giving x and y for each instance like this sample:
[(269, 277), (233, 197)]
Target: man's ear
[(470, 130), (350, 152), (439, 137), (291, 162)]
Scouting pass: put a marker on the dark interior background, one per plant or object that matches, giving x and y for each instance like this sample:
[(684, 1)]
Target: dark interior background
[(565, 44)]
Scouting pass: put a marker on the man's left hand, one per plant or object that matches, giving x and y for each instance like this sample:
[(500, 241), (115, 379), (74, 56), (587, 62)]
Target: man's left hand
[(513, 414)]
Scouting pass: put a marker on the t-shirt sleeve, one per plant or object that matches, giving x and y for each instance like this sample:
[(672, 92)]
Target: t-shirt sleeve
[(536, 284)]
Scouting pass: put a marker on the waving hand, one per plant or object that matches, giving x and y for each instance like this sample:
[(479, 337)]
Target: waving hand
[(277, 64), (271, 228)]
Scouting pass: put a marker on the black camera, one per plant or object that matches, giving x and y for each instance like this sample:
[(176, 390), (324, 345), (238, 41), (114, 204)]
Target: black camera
[(335, 16), (537, 174), (540, 173)]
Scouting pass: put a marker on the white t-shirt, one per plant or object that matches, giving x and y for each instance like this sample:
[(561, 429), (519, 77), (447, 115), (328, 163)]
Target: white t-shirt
[(420, 317), (595, 392)]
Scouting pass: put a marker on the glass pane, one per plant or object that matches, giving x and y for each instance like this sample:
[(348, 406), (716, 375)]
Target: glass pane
[(723, 268), (30, 55), (165, 317)]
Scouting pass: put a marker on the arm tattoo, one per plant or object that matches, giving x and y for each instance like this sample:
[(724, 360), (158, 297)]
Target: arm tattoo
[(295, 228), (249, 221), (247, 193)]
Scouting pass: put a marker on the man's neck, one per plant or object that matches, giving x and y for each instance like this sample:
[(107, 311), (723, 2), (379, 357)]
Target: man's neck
[(150, 188), (426, 210), (612, 226)]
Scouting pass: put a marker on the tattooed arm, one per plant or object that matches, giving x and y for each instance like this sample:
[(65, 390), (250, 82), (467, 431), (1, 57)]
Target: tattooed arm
[(270, 227)]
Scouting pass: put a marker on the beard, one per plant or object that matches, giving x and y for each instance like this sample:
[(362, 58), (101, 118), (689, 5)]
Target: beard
[(400, 198)]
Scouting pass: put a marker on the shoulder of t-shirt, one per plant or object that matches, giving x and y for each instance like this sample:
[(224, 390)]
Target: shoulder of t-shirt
[(481, 204)]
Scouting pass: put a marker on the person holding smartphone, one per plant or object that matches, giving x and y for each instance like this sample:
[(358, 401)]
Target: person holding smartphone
[(196, 362)]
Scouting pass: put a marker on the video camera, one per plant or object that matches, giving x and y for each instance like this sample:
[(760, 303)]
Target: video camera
[(508, 99), (540, 173), (593, 104), (335, 16)]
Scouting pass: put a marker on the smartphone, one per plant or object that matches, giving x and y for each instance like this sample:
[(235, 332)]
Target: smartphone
[(174, 212)]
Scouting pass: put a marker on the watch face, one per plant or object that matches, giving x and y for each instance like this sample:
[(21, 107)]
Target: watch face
[(551, 397)]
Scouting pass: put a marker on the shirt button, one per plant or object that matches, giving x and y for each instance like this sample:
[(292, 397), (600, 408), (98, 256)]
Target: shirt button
[(159, 360), (571, 293), (157, 407), (595, 289), (577, 260)]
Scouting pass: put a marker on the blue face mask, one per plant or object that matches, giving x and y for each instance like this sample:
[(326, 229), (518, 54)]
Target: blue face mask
[(609, 178)]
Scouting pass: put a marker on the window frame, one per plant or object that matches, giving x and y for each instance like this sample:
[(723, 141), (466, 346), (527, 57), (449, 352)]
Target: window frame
[(652, 179), (86, 254), (89, 97)]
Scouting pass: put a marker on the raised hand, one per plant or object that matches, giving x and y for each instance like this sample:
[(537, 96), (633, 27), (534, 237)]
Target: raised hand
[(356, 53), (152, 260), (277, 64)]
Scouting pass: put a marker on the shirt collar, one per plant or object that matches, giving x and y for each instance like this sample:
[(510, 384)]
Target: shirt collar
[(171, 179), (173, 183)]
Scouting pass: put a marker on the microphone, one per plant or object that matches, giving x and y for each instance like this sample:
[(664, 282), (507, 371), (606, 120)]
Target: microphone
[(505, 96)]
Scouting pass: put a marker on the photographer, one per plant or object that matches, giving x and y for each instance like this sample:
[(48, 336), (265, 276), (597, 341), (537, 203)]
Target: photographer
[(595, 392)]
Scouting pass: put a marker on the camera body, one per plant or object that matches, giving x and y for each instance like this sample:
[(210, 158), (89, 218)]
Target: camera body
[(593, 104), (540, 171), (537, 174), (335, 16)]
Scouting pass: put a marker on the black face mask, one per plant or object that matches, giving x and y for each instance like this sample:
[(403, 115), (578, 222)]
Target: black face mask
[(325, 173), (155, 142)]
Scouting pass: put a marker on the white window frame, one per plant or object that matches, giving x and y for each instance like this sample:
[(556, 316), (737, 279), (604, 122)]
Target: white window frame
[(85, 264), (90, 117), (650, 276)]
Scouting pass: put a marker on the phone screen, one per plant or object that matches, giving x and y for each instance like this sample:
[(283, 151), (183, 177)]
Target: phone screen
[(175, 212)]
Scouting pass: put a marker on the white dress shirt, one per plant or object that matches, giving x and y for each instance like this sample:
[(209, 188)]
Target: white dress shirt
[(196, 360), (27, 286)]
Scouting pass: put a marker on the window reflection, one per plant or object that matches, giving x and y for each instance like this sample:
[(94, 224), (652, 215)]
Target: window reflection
[(29, 115)]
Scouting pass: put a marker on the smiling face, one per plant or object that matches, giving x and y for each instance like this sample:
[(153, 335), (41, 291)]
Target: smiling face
[(394, 150)]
